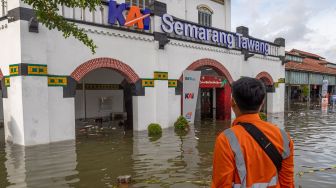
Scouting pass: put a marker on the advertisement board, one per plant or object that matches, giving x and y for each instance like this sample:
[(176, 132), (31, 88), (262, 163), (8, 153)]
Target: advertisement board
[(191, 81), (324, 104)]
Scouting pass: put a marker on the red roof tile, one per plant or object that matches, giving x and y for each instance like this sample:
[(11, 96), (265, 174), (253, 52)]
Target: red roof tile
[(311, 65)]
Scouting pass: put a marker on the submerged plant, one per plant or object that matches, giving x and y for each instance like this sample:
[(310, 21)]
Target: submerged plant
[(181, 123), (154, 130)]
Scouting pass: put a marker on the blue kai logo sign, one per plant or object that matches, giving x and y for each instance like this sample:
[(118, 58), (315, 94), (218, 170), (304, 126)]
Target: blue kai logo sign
[(135, 17), (189, 78)]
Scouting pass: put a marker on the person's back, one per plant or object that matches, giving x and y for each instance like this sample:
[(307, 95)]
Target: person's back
[(239, 161)]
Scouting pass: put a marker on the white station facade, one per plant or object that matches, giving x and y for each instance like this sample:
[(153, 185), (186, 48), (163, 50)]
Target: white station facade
[(49, 82)]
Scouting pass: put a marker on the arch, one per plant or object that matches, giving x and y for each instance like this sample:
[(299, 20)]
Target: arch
[(205, 8), (125, 70), (266, 78), (217, 66)]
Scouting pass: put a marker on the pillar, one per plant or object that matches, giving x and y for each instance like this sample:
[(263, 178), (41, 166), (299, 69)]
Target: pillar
[(276, 100), (26, 111), (161, 91), (38, 108), (289, 95)]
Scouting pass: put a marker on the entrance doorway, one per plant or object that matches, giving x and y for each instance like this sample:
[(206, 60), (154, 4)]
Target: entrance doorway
[(214, 96), (104, 100), (207, 106)]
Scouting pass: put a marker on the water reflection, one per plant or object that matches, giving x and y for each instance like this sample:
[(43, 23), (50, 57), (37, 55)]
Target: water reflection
[(313, 132), (51, 165)]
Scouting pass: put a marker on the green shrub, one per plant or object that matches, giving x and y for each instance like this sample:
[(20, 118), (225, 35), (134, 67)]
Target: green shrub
[(154, 129), (181, 123), (263, 116)]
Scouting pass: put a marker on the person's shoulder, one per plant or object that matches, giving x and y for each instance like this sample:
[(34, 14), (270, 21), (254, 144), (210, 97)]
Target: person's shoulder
[(223, 136)]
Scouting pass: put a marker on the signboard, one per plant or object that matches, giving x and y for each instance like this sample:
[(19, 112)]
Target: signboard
[(191, 80), (212, 82), (193, 31), (324, 104), (325, 88), (135, 17)]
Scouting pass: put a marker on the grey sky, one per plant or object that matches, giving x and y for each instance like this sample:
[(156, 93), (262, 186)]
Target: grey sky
[(308, 25)]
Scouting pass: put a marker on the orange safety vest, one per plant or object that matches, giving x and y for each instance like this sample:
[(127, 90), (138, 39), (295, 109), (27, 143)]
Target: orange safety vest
[(239, 161)]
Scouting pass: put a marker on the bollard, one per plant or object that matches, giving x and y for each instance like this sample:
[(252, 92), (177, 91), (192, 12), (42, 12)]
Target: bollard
[(124, 181)]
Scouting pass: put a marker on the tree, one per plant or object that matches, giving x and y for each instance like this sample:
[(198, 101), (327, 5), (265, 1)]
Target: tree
[(47, 14)]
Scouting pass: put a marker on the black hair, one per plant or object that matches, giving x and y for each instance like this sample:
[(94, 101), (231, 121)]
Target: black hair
[(249, 94)]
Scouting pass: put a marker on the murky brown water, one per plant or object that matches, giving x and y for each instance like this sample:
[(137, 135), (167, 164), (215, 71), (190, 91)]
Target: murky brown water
[(171, 161)]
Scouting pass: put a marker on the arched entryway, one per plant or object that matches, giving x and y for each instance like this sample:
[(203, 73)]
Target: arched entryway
[(267, 79), (104, 92), (214, 100)]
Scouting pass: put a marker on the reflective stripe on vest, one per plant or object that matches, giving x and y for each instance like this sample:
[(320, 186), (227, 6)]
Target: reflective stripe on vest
[(273, 182), (286, 152), (240, 161), (239, 157)]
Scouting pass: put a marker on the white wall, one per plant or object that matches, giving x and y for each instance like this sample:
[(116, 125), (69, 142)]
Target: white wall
[(99, 76), (187, 10), (61, 115), (93, 104)]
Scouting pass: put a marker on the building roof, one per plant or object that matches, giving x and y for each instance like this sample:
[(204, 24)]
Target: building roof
[(311, 63), (305, 54)]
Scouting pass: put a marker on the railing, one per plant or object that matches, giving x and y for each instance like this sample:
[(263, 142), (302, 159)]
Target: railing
[(3, 8)]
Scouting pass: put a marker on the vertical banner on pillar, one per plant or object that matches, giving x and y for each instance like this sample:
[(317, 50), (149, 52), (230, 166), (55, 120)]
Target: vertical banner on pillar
[(325, 97), (191, 81)]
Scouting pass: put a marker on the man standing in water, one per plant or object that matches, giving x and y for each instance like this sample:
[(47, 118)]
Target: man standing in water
[(252, 153)]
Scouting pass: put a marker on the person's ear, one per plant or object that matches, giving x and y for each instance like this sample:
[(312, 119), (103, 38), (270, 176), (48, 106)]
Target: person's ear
[(262, 104)]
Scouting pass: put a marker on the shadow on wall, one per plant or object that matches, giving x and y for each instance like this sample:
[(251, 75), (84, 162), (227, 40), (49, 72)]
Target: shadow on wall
[(15, 134)]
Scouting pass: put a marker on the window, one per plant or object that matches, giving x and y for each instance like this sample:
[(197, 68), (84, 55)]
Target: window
[(294, 59), (204, 15), (140, 3), (3, 6)]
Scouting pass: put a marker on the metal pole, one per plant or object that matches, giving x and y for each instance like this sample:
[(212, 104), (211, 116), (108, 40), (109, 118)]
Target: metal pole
[(309, 88)]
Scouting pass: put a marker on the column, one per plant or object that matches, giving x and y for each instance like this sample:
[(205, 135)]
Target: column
[(161, 98), (26, 109), (144, 105), (276, 100)]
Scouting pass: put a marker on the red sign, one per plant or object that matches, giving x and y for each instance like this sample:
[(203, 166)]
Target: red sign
[(212, 82)]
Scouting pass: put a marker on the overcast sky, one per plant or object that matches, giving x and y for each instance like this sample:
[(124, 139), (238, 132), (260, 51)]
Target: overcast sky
[(309, 25)]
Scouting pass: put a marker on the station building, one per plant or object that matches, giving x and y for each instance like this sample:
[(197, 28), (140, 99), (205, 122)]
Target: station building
[(306, 71), (144, 46)]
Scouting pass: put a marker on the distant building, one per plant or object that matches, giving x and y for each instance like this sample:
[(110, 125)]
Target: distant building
[(306, 71)]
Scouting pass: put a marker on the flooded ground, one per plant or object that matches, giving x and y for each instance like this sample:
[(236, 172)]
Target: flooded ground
[(171, 161)]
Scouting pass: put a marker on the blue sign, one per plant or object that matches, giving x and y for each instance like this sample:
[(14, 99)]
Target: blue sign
[(228, 39), (136, 17)]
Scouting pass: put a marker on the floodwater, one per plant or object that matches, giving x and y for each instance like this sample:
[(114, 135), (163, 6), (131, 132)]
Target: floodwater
[(96, 160)]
